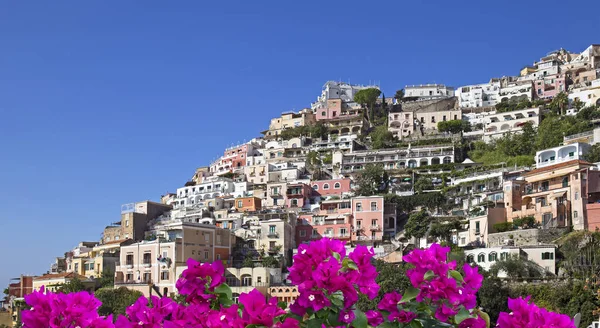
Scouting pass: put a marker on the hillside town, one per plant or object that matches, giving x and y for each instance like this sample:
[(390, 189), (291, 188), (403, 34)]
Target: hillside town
[(498, 169)]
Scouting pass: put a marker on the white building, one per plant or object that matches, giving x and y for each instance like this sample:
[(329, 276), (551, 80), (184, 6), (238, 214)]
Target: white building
[(561, 154), (590, 95), (497, 125), (514, 91), (479, 95), (211, 188), (542, 255), (339, 90), (427, 91), (344, 143)]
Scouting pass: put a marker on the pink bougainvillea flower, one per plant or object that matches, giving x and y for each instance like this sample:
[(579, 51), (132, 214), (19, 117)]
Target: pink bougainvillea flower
[(473, 323), (389, 302), (313, 299), (346, 316), (402, 316), (288, 323), (374, 318), (257, 311)]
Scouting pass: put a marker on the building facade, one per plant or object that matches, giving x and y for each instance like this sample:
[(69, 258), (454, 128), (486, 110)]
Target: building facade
[(479, 95), (427, 92)]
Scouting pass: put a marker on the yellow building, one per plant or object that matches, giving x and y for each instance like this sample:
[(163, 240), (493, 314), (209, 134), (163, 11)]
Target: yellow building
[(53, 282)]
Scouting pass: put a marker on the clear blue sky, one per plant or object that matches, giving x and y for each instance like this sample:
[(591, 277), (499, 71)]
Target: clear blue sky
[(109, 102)]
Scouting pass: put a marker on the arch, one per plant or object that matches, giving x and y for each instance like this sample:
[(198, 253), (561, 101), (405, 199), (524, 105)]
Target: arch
[(481, 258), (470, 258), (423, 162), (395, 124), (435, 161), (598, 102), (412, 163), (546, 156), (165, 291), (567, 152), (447, 160), (493, 257), (294, 145), (345, 131), (401, 164), (325, 186), (280, 290), (337, 185), (356, 129), (287, 290), (334, 132), (315, 187), (504, 127), (518, 124), (246, 280), (235, 297), (492, 128)]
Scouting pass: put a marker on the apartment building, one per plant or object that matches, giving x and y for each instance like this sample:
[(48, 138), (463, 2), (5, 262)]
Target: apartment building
[(516, 90), (271, 231), (427, 92), (248, 204), (19, 287), (212, 187), (134, 219), (479, 95), (542, 255), (333, 219), (234, 158), (52, 282), (497, 125), (244, 280), (343, 91), (393, 158), (331, 187), (344, 143), (372, 220), (560, 154), (549, 86), (422, 117), (298, 195), (555, 195), (480, 226), (589, 95), (289, 120)]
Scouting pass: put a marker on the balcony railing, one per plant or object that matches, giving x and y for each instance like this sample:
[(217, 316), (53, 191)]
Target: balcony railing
[(375, 227), (133, 282), (273, 234)]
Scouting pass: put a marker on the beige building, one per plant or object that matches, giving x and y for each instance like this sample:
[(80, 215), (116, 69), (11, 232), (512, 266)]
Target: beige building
[(244, 280), (284, 293), (53, 282), (422, 117), (156, 264), (289, 120), (134, 219)]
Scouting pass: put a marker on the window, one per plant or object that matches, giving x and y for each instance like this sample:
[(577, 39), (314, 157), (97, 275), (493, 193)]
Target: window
[(316, 187), (259, 279), (240, 204), (343, 232), (337, 185), (359, 207), (374, 222), (164, 275), (302, 233), (503, 256), (422, 119), (565, 182), (127, 223), (546, 218), (271, 229), (577, 195), (359, 224), (542, 201), (575, 214), (373, 206), (76, 267), (325, 186), (444, 118), (218, 256), (455, 117), (206, 255), (481, 258), (323, 113), (547, 256), (492, 257), (294, 203), (315, 233), (470, 258), (477, 227), (247, 281), (206, 237), (433, 119)]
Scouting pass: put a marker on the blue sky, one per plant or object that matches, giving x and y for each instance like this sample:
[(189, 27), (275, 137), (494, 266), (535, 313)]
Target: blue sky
[(105, 103)]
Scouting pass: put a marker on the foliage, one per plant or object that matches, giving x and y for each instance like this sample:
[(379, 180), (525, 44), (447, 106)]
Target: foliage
[(270, 262), (72, 286), (454, 126), (417, 225), (593, 155), (116, 300), (248, 263), (6, 291), (553, 128), (444, 231), (229, 175), (391, 278), (372, 180), (492, 297), (526, 222), (516, 267), (429, 200), (328, 158), (317, 130), (512, 105), (503, 226), (315, 165), (399, 95), (580, 252), (423, 183), (588, 113), (559, 103), (381, 137), (367, 98), (107, 279)]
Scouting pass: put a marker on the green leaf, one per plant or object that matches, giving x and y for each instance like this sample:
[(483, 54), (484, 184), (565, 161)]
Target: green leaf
[(314, 323), (410, 294), (225, 301), (461, 315), (223, 289), (388, 325), (352, 265), (429, 275), (337, 255), (456, 275), (415, 324), (282, 305), (484, 316), (360, 320), (333, 319)]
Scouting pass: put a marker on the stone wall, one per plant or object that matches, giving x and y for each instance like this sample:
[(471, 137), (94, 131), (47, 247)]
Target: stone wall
[(525, 237)]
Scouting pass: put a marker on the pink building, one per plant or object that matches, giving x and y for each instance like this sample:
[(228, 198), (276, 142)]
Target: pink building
[(232, 159), (334, 187), (334, 110), (549, 86), (333, 220), (298, 195), (373, 219)]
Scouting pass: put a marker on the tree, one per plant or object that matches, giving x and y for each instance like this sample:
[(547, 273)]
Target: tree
[(492, 297), (593, 155), (248, 263), (368, 98), (399, 96), (423, 183), (72, 286), (454, 126), (318, 130), (417, 225), (315, 165), (372, 180), (116, 301), (6, 291), (559, 103), (391, 278), (270, 262), (381, 137), (516, 267), (107, 279)]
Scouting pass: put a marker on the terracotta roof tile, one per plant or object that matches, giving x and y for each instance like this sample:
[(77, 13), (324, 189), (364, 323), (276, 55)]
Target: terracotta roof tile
[(557, 166), (60, 275)]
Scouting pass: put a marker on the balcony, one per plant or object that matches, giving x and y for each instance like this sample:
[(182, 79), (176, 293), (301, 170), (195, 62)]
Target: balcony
[(273, 234), (295, 193), (275, 193), (375, 227), (146, 264), (133, 282)]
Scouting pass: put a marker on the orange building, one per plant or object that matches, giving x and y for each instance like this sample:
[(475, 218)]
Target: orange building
[(248, 204)]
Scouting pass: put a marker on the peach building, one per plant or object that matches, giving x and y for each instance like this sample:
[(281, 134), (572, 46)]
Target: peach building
[(372, 220), (332, 220), (556, 195), (333, 187), (298, 195), (248, 204)]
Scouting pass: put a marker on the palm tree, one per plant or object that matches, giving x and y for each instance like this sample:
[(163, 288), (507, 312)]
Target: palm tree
[(560, 102)]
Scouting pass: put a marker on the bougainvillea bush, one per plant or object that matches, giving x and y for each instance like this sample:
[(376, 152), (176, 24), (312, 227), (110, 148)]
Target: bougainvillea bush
[(329, 282)]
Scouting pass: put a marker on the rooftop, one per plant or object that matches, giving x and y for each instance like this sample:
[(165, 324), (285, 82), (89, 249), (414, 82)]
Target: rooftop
[(574, 162), (60, 275)]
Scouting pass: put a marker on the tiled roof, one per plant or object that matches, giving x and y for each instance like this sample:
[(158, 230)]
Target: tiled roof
[(60, 275), (116, 242), (557, 166)]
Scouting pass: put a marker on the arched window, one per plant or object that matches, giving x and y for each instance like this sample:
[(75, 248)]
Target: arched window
[(470, 258), (326, 186), (503, 256), (165, 291), (316, 187), (481, 258), (493, 257), (337, 185)]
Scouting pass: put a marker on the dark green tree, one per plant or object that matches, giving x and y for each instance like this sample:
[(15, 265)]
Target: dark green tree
[(115, 301), (453, 126), (492, 297), (399, 96), (72, 286), (381, 137), (417, 225), (423, 183), (248, 263), (372, 180), (516, 267), (560, 103), (368, 98), (270, 262), (593, 154), (315, 165), (107, 279)]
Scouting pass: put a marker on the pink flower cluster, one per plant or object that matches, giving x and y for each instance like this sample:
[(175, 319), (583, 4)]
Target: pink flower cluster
[(528, 315), (59, 310), (439, 284), (323, 273)]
